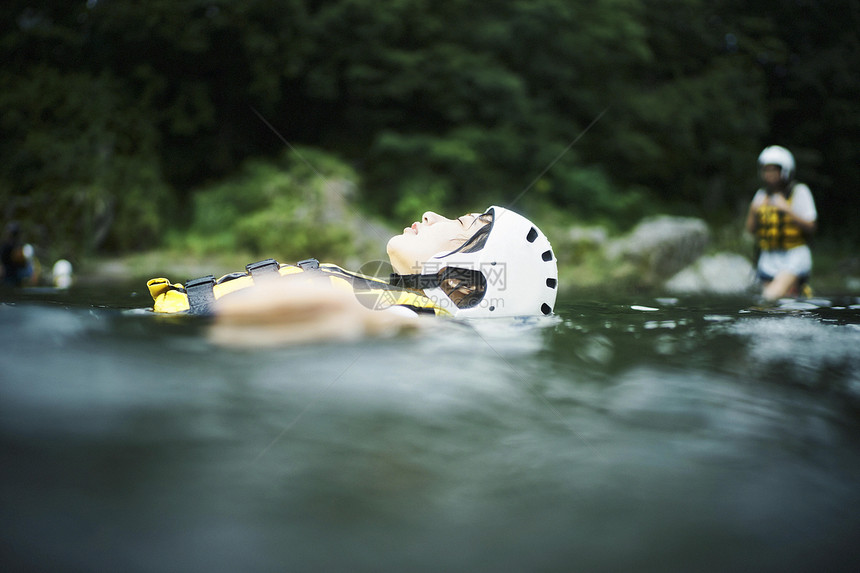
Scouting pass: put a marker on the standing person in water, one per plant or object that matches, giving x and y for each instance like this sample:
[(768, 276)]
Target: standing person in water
[(491, 264), (17, 258), (781, 216)]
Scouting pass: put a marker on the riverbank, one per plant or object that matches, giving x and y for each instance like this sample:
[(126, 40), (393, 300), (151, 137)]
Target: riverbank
[(589, 262)]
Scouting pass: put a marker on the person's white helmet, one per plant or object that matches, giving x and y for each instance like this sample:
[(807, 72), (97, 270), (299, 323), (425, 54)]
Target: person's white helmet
[(776, 155), (62, 274), (516, 267)]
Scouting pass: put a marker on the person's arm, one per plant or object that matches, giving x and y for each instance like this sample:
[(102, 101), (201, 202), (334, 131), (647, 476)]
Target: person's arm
[(755, 205), (269, 315)]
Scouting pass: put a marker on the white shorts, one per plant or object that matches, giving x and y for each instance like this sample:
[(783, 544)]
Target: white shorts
[(797, 261)]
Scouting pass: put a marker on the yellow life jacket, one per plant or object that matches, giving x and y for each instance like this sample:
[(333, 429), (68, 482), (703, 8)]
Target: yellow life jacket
[(776, 230), (197, 296)]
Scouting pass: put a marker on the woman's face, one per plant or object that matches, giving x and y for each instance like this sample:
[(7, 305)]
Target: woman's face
[(432, 235), (771, 175)]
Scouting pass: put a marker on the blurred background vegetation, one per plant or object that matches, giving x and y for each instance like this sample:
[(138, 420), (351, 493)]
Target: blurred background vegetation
[(129, 126)]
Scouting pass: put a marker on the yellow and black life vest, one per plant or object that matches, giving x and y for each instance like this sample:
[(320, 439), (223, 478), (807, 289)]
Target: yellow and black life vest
[(776, 230), (197, 296)]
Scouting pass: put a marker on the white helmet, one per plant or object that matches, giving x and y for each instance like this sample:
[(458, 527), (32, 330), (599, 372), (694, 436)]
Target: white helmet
[(776, 155), (515, 271)]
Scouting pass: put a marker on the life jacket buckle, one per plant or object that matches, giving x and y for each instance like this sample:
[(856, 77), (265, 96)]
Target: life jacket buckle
[(263, 268), (201, 294), (308, 264)]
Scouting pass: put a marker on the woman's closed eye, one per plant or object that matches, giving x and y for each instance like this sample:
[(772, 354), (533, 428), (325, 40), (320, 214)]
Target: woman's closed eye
[(468, 221)]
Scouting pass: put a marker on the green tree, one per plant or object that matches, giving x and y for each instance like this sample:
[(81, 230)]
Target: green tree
[(115, 114)]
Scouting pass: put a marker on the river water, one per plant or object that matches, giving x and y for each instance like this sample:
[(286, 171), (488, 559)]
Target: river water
[(630, 433)]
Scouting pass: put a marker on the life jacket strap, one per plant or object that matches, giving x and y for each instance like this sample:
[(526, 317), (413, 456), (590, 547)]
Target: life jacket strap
[(421, 282), (201, 294), (263, 269), (308, 264)]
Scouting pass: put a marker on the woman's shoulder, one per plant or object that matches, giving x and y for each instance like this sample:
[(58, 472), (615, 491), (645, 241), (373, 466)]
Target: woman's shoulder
[(801, 194), (801, 188)]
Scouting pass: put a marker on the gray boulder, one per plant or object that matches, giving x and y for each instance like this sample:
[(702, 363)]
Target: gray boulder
[(659, 247), (722, 273)]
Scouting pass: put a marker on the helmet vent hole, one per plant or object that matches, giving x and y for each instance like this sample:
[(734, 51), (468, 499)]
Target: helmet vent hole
[(532, 236), (551, 283), (545, 308), (547, 255), (492, 308)]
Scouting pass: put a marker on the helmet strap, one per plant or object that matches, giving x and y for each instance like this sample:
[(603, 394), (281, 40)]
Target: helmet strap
[(415, 282)]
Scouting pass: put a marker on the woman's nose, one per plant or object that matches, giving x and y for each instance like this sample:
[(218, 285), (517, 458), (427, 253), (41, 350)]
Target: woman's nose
[(430, 217)]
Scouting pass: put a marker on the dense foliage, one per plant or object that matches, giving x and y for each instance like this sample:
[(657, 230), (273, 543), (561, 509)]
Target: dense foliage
[(118, 118)]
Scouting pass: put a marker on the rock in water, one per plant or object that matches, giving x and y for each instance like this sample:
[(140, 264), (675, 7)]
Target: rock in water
[(723, 273), (659, 247)]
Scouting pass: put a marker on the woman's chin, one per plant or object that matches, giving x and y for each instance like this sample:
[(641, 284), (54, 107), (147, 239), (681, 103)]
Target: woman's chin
[(391, 246), (394, 253)]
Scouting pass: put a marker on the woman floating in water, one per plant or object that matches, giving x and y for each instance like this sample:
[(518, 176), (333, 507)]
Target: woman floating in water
[(492, 264)]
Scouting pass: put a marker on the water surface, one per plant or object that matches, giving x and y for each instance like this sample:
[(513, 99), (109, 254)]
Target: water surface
[(634, 433)]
